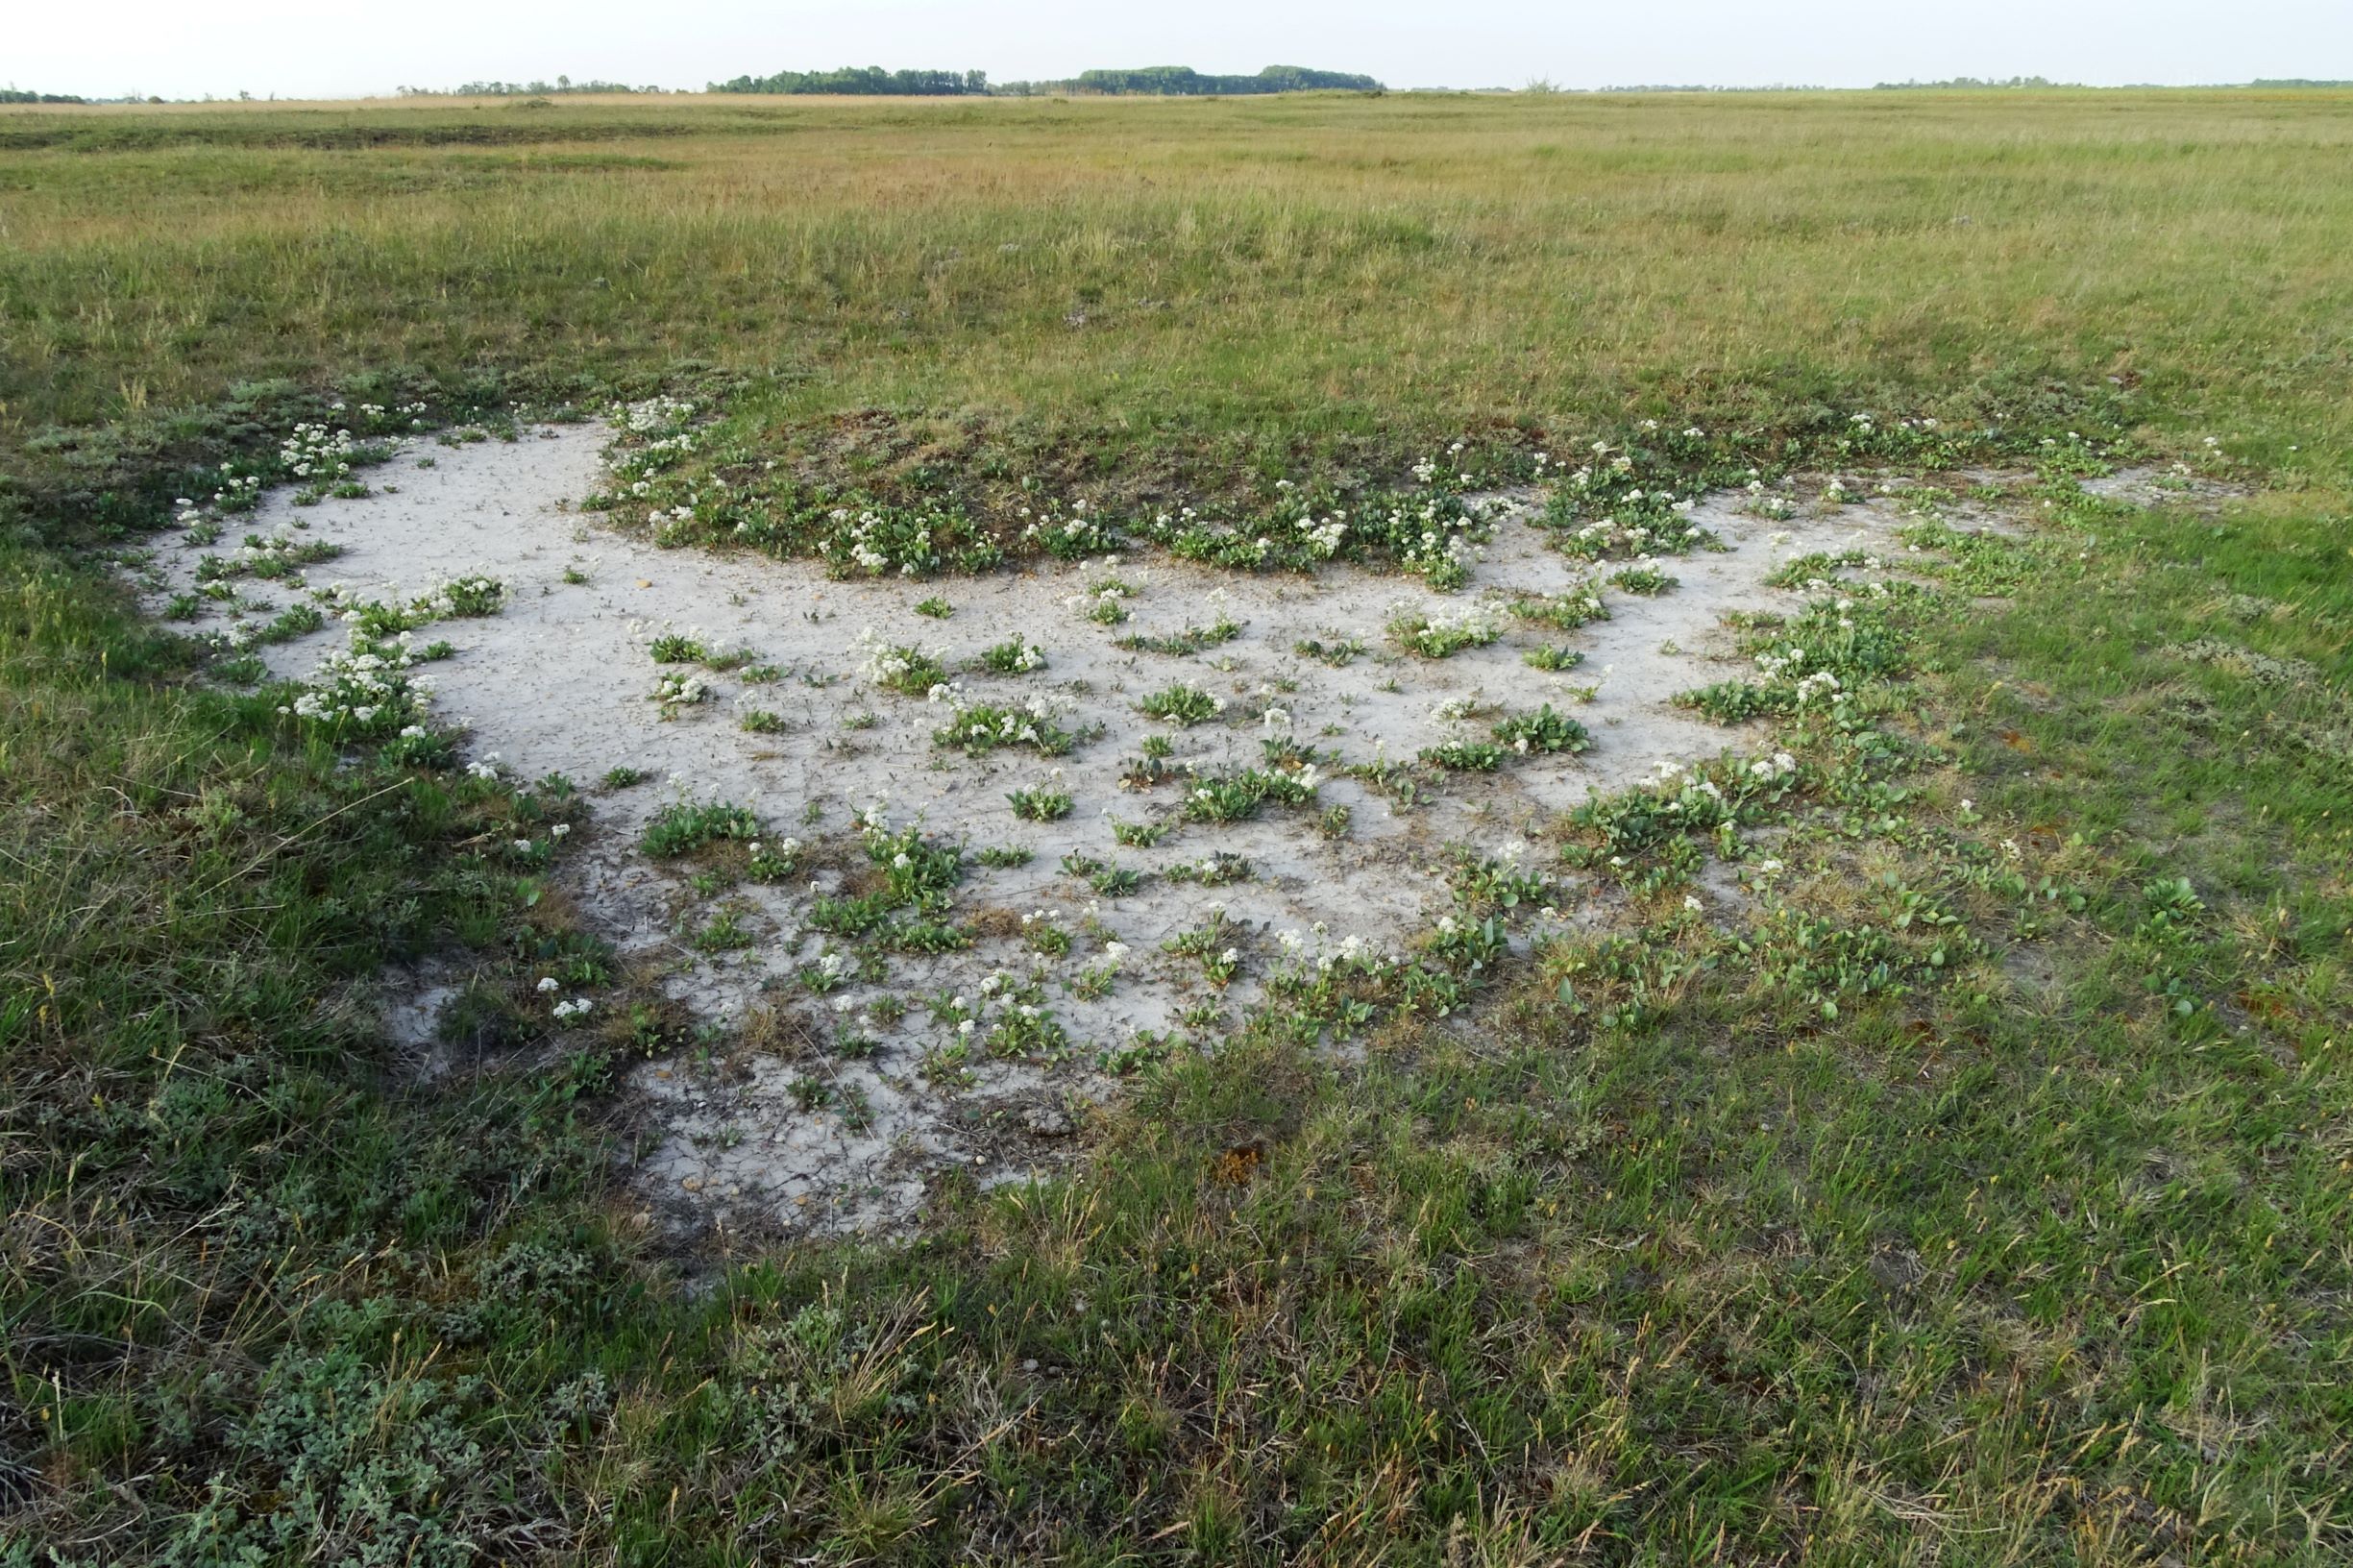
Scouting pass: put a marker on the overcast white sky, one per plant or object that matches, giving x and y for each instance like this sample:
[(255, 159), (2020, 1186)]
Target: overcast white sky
[(320, 48)]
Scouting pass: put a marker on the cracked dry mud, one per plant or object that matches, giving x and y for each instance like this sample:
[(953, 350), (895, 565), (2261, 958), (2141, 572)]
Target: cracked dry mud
[(560, 681)]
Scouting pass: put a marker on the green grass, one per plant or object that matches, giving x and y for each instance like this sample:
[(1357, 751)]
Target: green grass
[(1969, 1195)]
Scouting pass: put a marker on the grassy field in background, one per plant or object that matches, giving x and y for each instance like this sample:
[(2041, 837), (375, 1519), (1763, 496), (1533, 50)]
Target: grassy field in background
[(1650, 1258), (1295, 267)]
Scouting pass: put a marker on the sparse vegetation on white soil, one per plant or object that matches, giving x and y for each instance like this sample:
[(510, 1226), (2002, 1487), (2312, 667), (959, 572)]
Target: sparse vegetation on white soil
[(1064, 780)]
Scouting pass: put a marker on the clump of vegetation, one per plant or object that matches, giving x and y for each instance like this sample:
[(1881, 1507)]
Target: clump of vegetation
[(1466, 756), (1015, 656), (1233, 797), (1182, 704), (905, 911), (1041, 805), (683, 826), (908, 671), (674, 692), (1642, 579), (1563, 612), (1214, 870), (979, 727), (1815, 661), (1543, 731), (676, 648), (1432, 636), (1189, 640), (1105, 602), (1338, 654)]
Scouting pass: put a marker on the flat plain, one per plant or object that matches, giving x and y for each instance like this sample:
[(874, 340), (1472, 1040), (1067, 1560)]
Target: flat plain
[(1413, 829)]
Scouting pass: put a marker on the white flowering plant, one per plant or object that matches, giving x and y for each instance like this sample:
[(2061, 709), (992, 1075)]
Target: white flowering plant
[(1182, 704), (1643, 579), (1563, 612), (1613, 834), (1429, 531), (1543, 732), (905, 910), (272, 557), (1184, 642), (1214, 870), (471, 596), (1232, 797), (976, 729), (1214, 943), (1817, 661), (1041, 805), (1075, 535), (1464, 757), (363, 691), (902, 667), (676, 691), (1430, 635), (1014, 656)]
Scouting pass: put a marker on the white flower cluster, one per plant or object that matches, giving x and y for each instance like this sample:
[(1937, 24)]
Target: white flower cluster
[(1823, 684), (476, 593), (1108, 593), (315, 451), (269, 557), (1454, 709), (1439, 629), (236, 493), (677, 689), (856, 534), (987, 725), (1351, 953), (1634, 538), (1440, 539), (996, 991), (652, 414), (1581, 479), (1428, 469), (1074, 535), (1676, 777), (360, 684), (377, 412), (883, 665)]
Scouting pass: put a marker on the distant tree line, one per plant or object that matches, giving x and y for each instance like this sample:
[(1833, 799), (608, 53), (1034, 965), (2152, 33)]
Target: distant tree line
[(1184, 82), (1541, 87), (522, 89), (1154, 81), (1974, 81), (865, 81), (19, 95)]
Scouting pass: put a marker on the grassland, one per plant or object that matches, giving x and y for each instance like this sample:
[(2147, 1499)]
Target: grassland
[(1656, 1258)]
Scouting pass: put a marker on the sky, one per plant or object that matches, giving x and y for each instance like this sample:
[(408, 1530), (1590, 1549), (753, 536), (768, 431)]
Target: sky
[(323, 49)]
